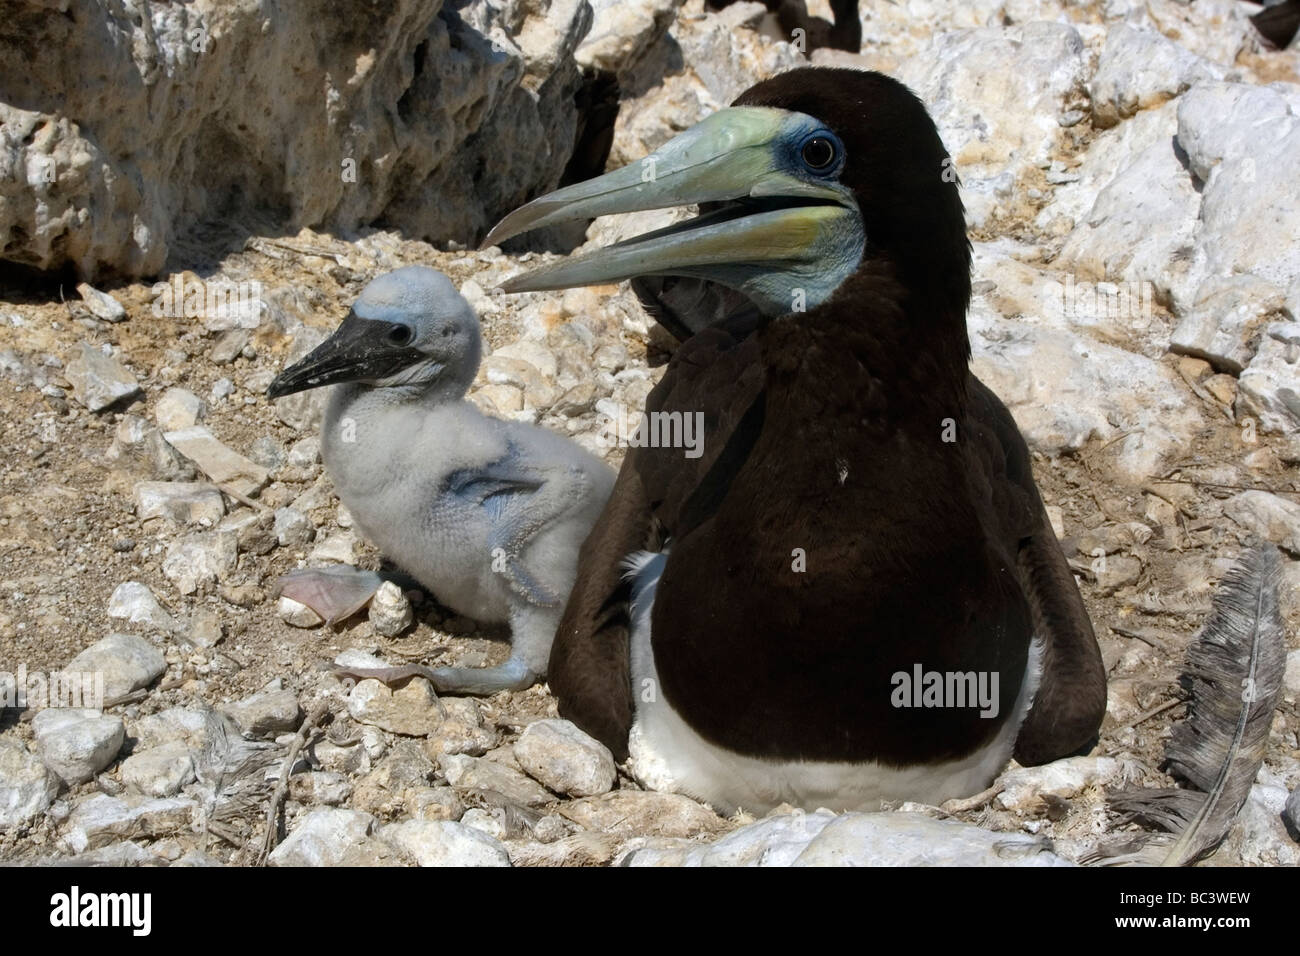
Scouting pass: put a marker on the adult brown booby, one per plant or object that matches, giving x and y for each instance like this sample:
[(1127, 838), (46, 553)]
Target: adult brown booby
[(863, 516)]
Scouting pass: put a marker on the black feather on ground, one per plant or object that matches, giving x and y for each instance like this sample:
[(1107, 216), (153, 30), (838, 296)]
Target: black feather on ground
[(1233, 675)]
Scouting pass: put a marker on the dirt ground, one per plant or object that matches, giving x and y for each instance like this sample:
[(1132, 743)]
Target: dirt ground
[(69, 534)]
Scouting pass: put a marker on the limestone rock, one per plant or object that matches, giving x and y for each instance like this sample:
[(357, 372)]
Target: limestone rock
[(1140, 69), (443, 843), (114, 181), (645, 812), (556, 753), (473, 773), (77, 744), (856, 839), (126, 661), (27, 787), (1269, 516), (159, 771), (410, 709), (99, 381)]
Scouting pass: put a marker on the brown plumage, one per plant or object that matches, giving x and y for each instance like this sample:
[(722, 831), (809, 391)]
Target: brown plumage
[(825, 435)]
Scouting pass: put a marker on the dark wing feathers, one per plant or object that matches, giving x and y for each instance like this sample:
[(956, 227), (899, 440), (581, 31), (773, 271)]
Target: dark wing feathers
[(589, 666), (1071, 698), (660, 492), (715, 372)]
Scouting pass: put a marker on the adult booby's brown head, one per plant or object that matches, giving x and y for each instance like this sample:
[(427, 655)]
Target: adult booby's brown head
[(853, 594)]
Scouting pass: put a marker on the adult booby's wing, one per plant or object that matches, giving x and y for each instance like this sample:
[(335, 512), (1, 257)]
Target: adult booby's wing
[(659, 492), (1071, 696)]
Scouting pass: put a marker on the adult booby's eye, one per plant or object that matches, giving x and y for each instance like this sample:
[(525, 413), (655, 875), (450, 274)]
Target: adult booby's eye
[(819, 152), (400, 335)]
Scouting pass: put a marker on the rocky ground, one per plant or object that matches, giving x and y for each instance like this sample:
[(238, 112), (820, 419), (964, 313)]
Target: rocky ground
[(150, 495)]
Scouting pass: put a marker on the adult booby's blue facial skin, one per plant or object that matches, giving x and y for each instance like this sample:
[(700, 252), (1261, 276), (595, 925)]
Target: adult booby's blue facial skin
[(409, 327), (786, 234)]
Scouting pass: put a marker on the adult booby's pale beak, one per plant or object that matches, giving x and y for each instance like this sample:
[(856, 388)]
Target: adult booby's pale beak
[(786, 231), (359, 350)]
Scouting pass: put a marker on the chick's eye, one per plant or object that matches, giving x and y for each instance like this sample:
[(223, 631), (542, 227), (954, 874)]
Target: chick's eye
[(400, 335), (818, 152)]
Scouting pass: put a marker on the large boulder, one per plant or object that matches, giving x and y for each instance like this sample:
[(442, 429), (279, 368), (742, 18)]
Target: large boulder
[(182, 121)]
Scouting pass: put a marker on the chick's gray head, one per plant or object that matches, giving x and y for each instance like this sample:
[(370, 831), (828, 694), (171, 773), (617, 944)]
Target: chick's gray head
[(409, 328)]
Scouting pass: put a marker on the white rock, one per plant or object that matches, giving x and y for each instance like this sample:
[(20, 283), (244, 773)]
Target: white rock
[(390, 612), (1292, 678), (411, 709), (1259, 833), (1140, 69), (643, 813), (1215, 29), (538, 390), (103, 305), (322, 838), (266, 712), (126, 661), (295, 614), (292, 528), (1250, 214), (443, 843), (266, 451), (562, 757), (77, 744), (468, 773), (534, 353), (99, 380), (434, 803), (100, 820), (179, 502), (484, 821), (159, 771), (622, 32), (27, 786), (1065, 390), (858, 839), (1269, 390), (228, 346), (1132, 217), (305, 452), (909, 839), (222, 464), (775, 841), (201, 559), (133, 601), (995, 95), (1024, 787), (719, 60), (1270, 516), (319, 787), (495, 93), (1224, 322), (173, 724), (478, 300), (339, 548), (462, 731), (178, 408)]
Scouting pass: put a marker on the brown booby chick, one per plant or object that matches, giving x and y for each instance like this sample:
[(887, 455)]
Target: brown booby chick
[(487, 514), (854, 594)]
